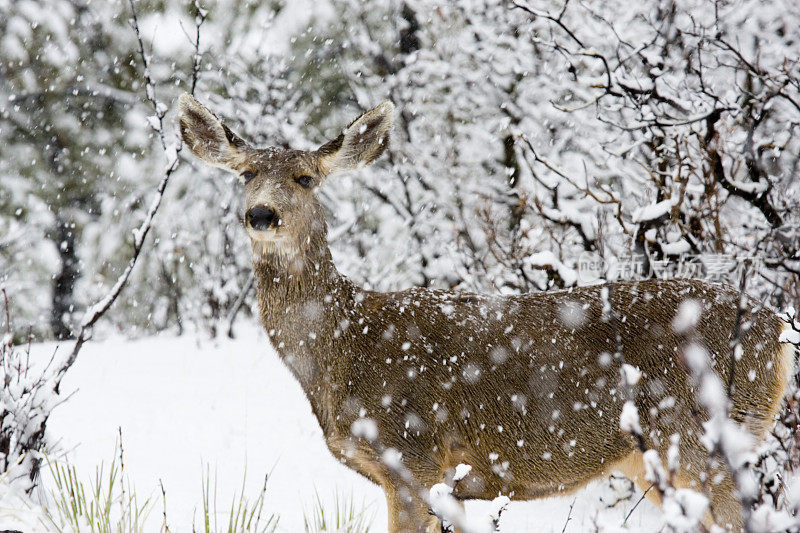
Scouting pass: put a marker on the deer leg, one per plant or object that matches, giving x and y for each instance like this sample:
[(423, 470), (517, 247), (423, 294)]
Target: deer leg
[(393, 506), (632, 467), (408, 513), (725, 504), (725, 508), (463, 511)]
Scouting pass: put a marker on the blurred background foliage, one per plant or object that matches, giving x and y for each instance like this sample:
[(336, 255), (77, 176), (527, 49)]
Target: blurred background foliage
[(528, 133)]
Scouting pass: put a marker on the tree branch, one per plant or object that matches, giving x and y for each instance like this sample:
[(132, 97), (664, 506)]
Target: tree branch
[(96, 312)]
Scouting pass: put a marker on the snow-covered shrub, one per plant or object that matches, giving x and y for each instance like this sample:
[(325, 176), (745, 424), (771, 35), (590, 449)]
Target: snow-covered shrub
[(532, 132), (763, 478), (27, 397), (528, 133)]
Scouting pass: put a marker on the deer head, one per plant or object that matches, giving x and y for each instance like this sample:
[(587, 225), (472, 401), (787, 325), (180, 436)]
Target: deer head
[(283, 217)]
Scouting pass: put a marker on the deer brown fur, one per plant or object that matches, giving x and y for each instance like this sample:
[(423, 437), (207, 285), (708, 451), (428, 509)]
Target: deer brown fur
[(522, 388)]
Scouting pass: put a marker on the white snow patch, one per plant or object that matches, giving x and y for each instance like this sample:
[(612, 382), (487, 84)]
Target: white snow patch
[(632, 374), (687, 316), (629, 419), (461, 472), (654, 470), (651, 212), (548, 259), (676, 248), (365, 428)]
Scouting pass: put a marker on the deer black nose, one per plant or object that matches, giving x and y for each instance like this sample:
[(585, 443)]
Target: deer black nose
[(261, 218)]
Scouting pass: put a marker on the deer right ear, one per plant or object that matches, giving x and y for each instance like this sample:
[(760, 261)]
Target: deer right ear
[(207, 137)]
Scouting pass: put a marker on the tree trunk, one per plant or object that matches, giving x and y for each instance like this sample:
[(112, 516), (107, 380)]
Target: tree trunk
[(64, 282)]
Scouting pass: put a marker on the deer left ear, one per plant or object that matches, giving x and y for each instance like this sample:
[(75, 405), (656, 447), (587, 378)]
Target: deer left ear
[(360, 143)]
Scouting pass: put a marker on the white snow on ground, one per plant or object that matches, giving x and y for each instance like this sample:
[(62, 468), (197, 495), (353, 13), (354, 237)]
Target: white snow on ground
[(185, 401), (17, 512)]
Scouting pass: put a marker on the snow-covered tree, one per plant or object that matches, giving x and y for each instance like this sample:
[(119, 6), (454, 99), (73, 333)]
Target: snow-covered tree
[(532, 132), (68, 89)]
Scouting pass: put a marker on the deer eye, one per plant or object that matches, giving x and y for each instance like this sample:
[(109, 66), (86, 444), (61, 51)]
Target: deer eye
[(247, 176), (304, 181)]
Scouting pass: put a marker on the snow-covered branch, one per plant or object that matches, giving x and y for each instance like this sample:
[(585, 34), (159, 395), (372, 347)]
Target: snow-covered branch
[(171, 148)]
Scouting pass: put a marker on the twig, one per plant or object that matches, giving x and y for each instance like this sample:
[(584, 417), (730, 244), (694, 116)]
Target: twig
[(701, 371), (8, 314), (662, 481), (239, 302), (121, 471), (569, 516), (199, 18), (150, 88), (548, 16), (736, 337), (164, 526), (94, 313), (636, 505)]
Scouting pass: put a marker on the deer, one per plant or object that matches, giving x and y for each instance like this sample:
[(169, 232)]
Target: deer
[(525, 389)]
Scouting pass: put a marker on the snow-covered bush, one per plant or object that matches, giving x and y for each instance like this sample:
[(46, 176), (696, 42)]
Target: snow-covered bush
[(26, 398), (529, 132), (532, 132), (763, 478)]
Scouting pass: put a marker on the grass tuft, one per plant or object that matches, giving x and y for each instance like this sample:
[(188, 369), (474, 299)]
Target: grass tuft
[(344, 517), (245, 516), (110, 504)]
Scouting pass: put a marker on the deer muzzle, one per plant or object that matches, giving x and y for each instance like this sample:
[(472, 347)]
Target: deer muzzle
[(261, 218)]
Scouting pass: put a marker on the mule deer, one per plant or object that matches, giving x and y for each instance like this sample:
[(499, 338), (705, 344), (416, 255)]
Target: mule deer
[(522, 388)]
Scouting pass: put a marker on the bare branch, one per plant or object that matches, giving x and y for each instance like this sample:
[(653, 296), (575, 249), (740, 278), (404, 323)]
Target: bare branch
[(199, 19), (96, 312)]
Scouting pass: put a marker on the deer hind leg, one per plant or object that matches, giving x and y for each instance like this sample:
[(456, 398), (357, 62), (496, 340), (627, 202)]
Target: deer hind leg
[(408, 513), (632, 466), (725, 507), (438, 526)]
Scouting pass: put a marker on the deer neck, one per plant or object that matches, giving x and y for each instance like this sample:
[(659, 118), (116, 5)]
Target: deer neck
[(302, 301), (298, 297)]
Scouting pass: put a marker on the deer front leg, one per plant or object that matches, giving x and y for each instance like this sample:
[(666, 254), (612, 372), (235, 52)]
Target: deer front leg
[(408, 513)]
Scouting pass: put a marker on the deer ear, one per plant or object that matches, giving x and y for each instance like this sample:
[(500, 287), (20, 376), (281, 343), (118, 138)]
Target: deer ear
[(360, 143), (207, 137)]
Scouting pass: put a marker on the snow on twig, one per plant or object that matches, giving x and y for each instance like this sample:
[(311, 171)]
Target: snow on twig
[(791, 334), (723, 437)]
